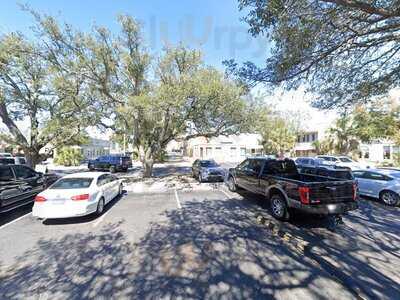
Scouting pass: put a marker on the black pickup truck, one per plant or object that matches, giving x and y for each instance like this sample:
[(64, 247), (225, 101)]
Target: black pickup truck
[(288, 190), (19, 184)]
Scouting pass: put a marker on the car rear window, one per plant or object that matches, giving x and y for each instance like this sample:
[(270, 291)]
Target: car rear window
[(208, 163), (7, 160), (72, 183)]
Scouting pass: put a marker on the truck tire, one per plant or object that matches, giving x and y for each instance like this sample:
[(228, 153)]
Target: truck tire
[(113, 169), (232, 184), (279, 208), (91, 167)]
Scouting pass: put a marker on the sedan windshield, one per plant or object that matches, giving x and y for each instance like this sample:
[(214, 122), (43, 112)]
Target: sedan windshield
[(208, 163), (72, 183)]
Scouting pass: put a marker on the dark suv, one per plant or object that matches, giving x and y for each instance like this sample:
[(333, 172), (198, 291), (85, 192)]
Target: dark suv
[(19, 184), (112, 163)]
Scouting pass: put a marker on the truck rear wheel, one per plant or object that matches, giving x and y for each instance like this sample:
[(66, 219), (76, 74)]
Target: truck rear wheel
[(279, 208), (113, 169)]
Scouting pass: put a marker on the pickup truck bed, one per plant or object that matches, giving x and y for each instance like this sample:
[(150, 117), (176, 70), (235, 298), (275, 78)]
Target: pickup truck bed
[(287, 189)]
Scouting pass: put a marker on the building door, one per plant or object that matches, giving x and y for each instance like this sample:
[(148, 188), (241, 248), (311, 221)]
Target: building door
[(201, 152)]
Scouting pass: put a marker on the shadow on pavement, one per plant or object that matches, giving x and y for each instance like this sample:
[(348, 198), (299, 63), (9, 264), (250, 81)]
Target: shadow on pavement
[(364, 252), (9, 216), (211, 249)]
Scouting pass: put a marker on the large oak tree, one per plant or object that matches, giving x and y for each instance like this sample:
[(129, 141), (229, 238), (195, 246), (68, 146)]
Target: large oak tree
[(345, 51), (51, 101), (153, 99)]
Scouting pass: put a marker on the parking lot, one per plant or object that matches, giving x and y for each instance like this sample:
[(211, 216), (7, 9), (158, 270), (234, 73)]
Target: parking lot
[(198, 243)]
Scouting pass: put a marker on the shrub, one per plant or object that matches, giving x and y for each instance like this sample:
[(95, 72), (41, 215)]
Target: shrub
[(68, 156)]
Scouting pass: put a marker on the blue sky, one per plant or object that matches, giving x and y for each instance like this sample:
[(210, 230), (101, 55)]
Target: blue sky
[(213, 26)]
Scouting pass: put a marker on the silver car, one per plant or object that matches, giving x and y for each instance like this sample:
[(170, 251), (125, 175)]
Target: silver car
[(383, 184)]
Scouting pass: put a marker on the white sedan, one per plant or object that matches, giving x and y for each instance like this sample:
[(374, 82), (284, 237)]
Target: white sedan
[(77, 194)]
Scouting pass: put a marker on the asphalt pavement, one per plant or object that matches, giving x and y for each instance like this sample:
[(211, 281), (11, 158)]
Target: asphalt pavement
[(203, 244)]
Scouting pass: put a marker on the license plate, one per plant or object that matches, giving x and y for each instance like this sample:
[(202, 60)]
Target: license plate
[(58, 201)]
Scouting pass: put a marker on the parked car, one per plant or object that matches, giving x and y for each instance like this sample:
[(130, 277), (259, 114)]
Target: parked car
[(76, 195), (206, 170), (5, 154), (19, 184), (19, 160), (343, 161), (317, 166), (288, 190), (382, 184), (112, 163), (7, 161)]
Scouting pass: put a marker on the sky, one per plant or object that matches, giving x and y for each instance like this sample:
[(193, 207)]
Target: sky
[(214, 26)]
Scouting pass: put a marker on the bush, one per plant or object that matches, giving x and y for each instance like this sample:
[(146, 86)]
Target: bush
[(68, 156)]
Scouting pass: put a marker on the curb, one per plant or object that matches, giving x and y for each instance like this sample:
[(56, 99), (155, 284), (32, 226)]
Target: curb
[(298, 244)]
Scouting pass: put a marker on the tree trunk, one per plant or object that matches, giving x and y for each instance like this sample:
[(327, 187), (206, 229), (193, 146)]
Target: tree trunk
[(148, 168), (147, 159), (32, 157)]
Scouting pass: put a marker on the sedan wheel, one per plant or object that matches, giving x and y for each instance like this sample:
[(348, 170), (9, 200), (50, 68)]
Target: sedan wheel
[(100, 207), (389, 198), (232, 184)]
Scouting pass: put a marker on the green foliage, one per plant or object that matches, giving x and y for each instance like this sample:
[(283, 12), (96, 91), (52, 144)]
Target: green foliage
[(278, 134), (68, 156), (345, 52), (35, 89)]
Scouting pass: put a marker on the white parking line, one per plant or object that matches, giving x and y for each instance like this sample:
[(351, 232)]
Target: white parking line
[(226, 194), (177, 199), (13, 221), (100, 219)]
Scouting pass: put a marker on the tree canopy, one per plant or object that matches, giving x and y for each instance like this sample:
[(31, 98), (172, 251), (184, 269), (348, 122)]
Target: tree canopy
[(53, 102), (151, 99), (343, 51)]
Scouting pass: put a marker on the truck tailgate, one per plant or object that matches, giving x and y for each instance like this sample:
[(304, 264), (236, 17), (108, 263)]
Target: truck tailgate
[(331, 191)]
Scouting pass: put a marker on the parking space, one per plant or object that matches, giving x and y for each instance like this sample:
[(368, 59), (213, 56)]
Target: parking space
[(197, 244)]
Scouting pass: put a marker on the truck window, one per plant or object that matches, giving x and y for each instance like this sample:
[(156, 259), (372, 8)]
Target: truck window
[(6, 173), (281, 167), (22, 172), (244, 165), (255, 165)]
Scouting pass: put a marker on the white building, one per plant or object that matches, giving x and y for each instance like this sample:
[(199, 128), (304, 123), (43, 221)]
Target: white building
[(94, 148), (233, 148)]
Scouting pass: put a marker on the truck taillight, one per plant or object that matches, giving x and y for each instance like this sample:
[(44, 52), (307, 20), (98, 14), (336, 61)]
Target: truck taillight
[(304, 192), (354, 191), (80, 197), (40, 198)]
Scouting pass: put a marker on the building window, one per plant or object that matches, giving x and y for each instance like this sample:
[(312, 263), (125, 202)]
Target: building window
[(208, 151), (314, 137), (386, 152), (242, 151), (307, 138), (233, 151)]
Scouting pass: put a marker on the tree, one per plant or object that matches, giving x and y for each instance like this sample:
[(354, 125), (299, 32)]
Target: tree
[(278, 134), (376, 121), (342, 136), (68, 156), (182, 96), (343, 51), (34, 90), (187, 100), (325, 146)]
